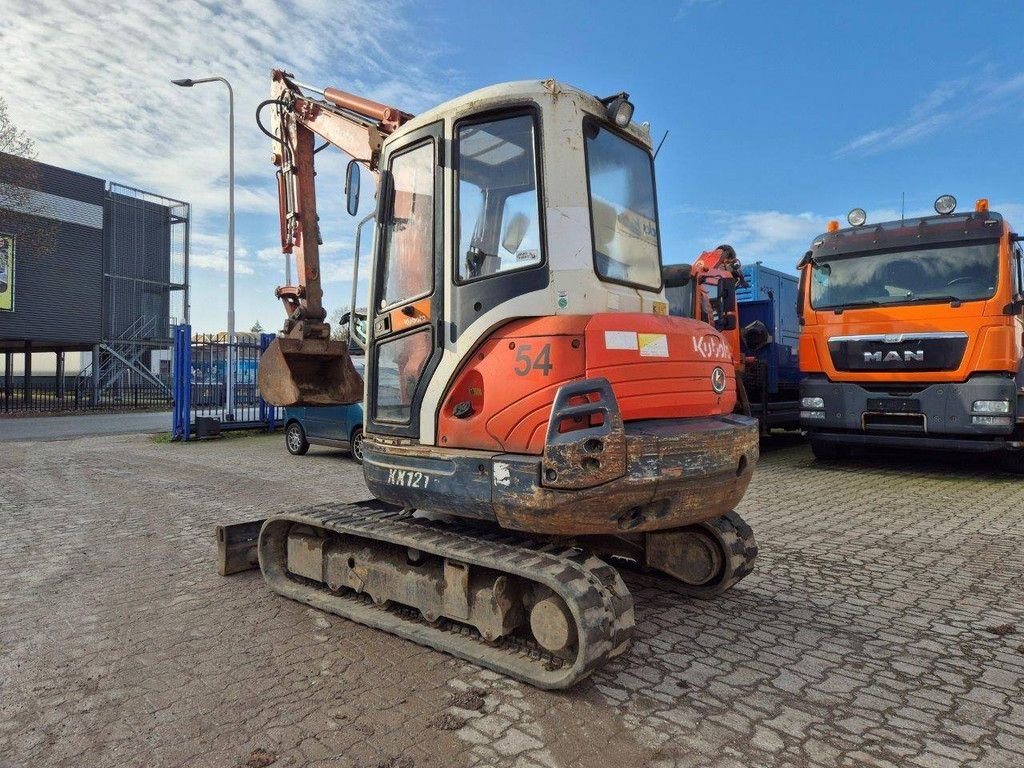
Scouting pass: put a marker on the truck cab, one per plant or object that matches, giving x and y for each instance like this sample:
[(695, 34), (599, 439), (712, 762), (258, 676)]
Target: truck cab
[(911, 334)]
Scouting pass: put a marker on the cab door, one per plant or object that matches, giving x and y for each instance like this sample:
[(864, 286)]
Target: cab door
[(407, 304)]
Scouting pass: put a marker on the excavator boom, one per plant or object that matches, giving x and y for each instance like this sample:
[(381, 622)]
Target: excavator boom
[(304, 366)]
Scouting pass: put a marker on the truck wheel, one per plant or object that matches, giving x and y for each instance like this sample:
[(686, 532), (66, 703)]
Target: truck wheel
[(357, 444), (295, 439), (829, 451)]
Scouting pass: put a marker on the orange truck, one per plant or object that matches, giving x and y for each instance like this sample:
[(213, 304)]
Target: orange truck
[(911, 335)]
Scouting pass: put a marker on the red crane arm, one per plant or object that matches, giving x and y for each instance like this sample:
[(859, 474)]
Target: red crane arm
[(355, 125)]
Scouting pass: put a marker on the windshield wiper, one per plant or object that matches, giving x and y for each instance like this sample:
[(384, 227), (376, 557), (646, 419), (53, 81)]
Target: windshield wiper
[(956, 301), (838, 309)]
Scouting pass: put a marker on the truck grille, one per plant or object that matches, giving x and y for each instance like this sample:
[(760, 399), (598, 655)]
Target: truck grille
[(898, 352)]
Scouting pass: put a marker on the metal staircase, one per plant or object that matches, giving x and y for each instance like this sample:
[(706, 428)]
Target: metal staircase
[(123, 358)]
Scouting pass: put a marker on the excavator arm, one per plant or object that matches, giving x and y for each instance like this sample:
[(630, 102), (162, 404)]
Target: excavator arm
[(304, 366)]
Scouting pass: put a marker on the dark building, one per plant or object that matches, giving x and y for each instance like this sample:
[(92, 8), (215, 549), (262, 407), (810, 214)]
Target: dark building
[(88, 265), (55, 260)]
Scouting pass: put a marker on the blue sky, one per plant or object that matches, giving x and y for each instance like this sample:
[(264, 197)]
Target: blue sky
[(781, 115)]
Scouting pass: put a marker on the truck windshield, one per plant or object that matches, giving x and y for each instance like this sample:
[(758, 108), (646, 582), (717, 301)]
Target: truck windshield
[(622, 209), (933, 273)]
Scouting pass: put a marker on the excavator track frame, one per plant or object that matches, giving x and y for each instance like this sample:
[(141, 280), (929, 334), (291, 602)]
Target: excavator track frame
[(594, 592), (733, 537)]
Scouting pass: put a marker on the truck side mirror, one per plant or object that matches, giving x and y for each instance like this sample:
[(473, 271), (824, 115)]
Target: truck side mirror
[(676, 275), (352, 187)]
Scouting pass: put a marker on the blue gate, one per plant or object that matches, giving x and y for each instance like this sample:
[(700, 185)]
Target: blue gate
[(200, 388)]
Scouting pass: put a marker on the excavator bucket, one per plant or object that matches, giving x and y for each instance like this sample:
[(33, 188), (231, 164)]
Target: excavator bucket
[(308, 372)]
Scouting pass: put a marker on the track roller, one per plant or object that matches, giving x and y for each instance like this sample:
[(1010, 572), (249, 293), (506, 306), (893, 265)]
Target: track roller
[(544, 614)]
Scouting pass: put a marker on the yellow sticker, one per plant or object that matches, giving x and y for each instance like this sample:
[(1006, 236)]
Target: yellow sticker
[(660, 308), (653, 344)]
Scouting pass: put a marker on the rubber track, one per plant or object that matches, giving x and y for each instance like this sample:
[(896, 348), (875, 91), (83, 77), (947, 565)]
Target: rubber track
[(736, 539), (595, 593)]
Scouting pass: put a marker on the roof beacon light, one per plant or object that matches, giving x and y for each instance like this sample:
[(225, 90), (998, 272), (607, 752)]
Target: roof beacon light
[(833, 226), (857, 217), (945, 205), (982, 205)]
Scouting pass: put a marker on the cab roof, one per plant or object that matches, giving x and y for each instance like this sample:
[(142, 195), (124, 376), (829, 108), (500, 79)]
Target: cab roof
[(954, 227), (516, 93)]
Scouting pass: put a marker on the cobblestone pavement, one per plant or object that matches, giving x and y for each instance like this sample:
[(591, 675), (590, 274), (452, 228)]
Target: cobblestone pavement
[(876, 630)]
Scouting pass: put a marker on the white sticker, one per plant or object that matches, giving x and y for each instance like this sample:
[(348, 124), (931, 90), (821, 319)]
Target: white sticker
[(711, 346), (502, 473), (653, 345), (620, 340)]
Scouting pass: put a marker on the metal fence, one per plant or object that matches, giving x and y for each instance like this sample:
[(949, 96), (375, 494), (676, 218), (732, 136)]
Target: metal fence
[(200, 383), (76, 393)]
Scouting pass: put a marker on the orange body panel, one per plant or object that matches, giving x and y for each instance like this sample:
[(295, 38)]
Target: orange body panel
[(658, 366), (994, 341)]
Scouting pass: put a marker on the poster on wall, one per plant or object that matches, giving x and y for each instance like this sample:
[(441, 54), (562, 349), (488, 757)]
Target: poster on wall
[(6, 273)]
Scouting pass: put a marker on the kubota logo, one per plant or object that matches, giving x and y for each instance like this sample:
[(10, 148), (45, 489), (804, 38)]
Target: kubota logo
[(710, 346)]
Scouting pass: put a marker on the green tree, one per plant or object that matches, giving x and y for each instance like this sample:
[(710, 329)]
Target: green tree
[(256, 327)]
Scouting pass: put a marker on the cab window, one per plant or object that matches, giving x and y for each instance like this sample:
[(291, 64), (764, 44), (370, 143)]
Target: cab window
[(408, 270), (623, 212), (498, 202)]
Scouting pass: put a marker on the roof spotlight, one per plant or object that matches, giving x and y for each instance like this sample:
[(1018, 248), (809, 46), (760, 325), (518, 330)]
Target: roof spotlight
[(945, 205), (857, 217), (620, 109)]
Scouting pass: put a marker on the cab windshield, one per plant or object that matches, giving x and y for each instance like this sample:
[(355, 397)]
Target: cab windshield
[(622, 209), (929, 274)]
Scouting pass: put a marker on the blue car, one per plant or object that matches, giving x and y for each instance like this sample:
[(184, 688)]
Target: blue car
[(336, 426)]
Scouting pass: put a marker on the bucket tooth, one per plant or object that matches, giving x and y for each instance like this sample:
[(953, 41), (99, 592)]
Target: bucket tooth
[(308, 372)]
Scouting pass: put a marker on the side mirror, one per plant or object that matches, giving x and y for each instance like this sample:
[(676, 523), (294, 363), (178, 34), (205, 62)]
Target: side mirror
[(352, 187), (515, 231), (676, 275)]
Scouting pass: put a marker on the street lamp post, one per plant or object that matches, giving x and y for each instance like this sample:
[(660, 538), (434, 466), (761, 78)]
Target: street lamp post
[(230, 375)]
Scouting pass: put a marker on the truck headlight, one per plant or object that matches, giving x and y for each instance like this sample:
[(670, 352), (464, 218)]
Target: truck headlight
[(991, 421), (812, 402), (812, 414), (991, 406)]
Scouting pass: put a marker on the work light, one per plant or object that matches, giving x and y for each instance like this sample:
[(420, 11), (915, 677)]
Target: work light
[(857, 217), (619, 108), (945, 205), (621, 112)]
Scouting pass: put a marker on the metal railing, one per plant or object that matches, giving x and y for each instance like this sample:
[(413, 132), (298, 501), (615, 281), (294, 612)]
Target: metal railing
[(55, 394)]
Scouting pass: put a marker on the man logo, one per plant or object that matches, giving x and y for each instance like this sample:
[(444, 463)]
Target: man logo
[(907, 356)]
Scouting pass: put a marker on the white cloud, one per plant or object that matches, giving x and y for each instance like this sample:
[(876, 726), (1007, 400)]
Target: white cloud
[(218, 262), (760, 234), (89, 80), (778, 238), (954, 102)]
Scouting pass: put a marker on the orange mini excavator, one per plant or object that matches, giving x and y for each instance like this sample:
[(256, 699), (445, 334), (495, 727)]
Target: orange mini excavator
[(533, 414)]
